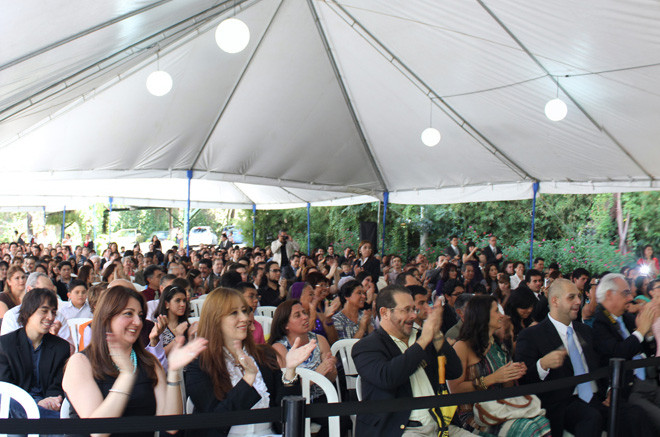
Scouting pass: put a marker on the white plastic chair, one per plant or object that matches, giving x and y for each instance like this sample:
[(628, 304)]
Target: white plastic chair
[(10, 391), (192, 320), (139, 287), (358, 388), (265, 323), (73, 327), (196, 306), (344, 347), (306, 378), (265, 311)]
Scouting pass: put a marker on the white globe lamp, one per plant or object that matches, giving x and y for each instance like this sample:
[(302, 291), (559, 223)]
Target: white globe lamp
[(556, 110), (431, 136), (232, 35), (159, 83)]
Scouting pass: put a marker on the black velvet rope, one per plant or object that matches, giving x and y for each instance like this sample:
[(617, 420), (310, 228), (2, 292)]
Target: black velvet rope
[(230, 418)]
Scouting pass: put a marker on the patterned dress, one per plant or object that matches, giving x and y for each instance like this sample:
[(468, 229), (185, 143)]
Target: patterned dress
[(495, 358), (311, 363)]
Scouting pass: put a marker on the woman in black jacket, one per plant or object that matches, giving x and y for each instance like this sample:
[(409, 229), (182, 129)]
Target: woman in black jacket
[(233, 373)]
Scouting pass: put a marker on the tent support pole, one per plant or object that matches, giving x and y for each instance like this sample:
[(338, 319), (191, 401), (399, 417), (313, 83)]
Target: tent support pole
[(309, 240), (43, 208), (63, 222), (110, 221), (531, 238), (386, 201), (187, 233), (254, 224)]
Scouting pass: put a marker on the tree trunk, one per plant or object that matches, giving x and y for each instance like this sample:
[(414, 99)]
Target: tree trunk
[(29, 225), (423, 235), (622, 224)]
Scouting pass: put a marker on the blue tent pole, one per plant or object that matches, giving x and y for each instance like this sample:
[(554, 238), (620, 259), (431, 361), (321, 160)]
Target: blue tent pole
[(254, 224), (63, 222), (44, 210), (386, 200), (189, 175), (531, 240), (110, 221), (309, 249)]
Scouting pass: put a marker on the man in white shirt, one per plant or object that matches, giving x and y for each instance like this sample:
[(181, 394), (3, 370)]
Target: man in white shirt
[(77, 305), (559, 347), (10, 319)]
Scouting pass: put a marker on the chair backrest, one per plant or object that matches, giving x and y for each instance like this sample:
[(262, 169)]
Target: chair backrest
[(190, 407), (358, 388), (344, 348), (139, 287), (307, 377), (73, 327), (265, 323), (265, 311), (196, 306), (151, 309), (10, 391), (192, 320)]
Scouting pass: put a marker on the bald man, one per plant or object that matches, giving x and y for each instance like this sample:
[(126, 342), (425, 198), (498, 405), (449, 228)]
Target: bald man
[(558, 347)]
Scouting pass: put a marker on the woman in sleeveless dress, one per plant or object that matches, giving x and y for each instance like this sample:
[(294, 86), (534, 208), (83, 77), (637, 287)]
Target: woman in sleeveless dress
[(115, 376), (487, 365)]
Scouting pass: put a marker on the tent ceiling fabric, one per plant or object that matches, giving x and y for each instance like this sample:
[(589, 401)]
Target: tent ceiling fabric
[(327, 102)]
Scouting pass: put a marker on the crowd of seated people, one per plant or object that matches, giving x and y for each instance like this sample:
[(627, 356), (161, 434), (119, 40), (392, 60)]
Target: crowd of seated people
[(495, 322)]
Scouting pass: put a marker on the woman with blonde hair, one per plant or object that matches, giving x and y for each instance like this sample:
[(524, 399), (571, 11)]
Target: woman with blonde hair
[(234, 373)]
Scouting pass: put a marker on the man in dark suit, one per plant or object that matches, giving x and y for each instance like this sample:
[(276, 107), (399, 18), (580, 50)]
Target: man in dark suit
[(534, 284), (34, 359), (396, 361), (619, 334), (493, 253), (453, 251), (559, 347)]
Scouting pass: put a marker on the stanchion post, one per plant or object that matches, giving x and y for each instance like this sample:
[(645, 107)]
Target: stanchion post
[(616, 378), (293, 416)]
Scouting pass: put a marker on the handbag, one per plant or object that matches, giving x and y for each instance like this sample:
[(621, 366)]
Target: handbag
[(492, 413)]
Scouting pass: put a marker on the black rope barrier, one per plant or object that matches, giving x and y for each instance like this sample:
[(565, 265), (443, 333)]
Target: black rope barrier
[(275, 414)]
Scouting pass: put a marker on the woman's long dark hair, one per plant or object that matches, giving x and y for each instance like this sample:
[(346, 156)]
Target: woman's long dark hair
[(475, 325), (113, 301), (280, 320), (519, 299), (168, 293)]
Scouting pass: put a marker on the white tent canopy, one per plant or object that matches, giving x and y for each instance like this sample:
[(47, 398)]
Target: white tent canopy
[(327, 102)]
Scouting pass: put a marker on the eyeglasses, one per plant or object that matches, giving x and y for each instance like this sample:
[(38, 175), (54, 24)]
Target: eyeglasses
[(407, 310), (275, 271)]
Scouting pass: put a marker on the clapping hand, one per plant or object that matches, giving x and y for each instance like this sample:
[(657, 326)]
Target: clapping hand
[(55, 327), (510, 372), (53, 403), (247, 364), (328, 367), (331, 310), (159, 326), (298, 354), (120, 358), (181, 328), (180, 355)]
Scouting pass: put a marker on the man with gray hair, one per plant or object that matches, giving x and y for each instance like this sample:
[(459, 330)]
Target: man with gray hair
[(59, 326), (619, 334)]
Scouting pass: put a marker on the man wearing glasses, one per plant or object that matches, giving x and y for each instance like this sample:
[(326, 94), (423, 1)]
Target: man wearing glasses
[(619, 334), (396, 361)]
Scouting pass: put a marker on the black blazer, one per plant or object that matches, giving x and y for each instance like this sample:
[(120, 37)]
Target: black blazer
[(491, 257), (242, 397), (385, 374), (537, 341), (449, 251), (610, 343), (16, 362), (371, 266)]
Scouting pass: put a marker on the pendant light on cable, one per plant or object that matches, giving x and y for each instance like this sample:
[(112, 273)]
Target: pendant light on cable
[(232, 35), (159, 82), (556, 109), (431, 136)]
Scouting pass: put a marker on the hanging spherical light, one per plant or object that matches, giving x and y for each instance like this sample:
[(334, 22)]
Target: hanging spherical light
[(232, 35), (556, 110), (430, 136), (159, 83)]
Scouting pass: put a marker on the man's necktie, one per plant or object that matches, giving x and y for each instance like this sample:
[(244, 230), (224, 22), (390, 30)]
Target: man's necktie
[(584, 389), (640, 372)]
